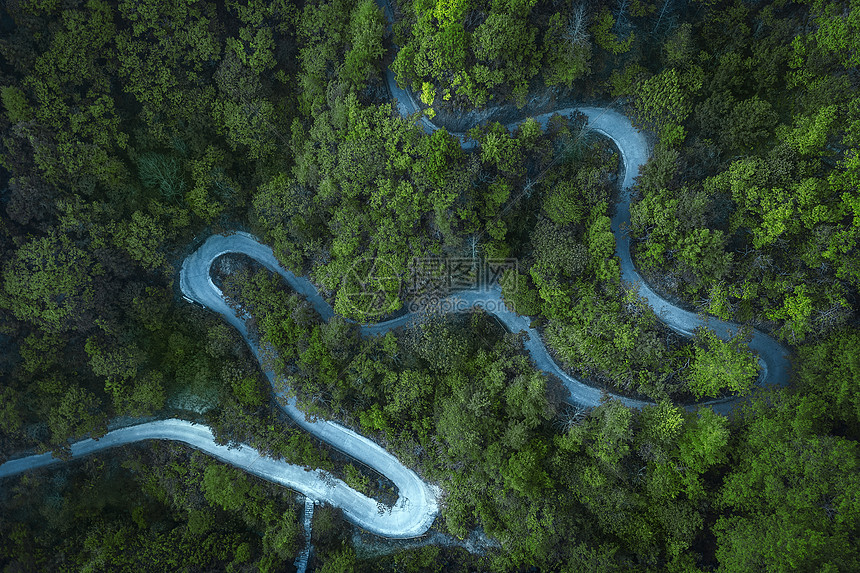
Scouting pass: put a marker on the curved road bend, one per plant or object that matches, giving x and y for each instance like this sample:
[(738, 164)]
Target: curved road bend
[(773, 357), (409, 518), (417, 505)]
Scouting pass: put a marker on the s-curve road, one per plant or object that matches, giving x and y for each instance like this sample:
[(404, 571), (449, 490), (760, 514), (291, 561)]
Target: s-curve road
[(417, 505)]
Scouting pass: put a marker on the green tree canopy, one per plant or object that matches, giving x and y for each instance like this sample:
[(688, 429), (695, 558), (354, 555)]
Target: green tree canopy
[(50, 282), (721, 365)]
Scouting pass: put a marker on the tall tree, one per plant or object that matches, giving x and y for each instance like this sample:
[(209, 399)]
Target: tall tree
[(50, 282)]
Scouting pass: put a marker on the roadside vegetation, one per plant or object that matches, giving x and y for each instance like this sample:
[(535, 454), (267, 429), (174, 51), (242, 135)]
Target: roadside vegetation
[(130, 131)]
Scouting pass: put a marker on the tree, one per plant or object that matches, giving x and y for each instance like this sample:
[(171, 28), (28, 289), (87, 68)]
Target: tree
[(679, 48), (439, 43), (440, 343), (408, 392), (557, 248), (721, 365), (292, 221), (254, 48), (113, 361), (322, 28), (564, 204), (797, 310), (50, 282), (607, 434), (10, 415), (282, 536), (603, 36), (212, 187), (836, 32), (661, 423), (31, 200), (703, 251), (242, 112), (751, 122), (526, 399), (468, 47), (342, 561), (601, 246), (162, 172), (810, 133), (524, 473), (702, 445), (360, 160), (80, 123), (79, 413), (366, 29), (15, 102), (498, 148), (662, 101), (141, 397), (167, 68), (505, 42), (142, 237), (791, 495), (831, 368), (40, 351), (567, 49), (226, 487), (519, 292)]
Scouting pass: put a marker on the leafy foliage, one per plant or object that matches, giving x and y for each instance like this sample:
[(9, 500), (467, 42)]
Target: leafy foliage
[(49, 282), (721, 365), (130, 128)]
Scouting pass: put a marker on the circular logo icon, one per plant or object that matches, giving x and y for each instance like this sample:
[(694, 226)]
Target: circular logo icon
[(370, 289)]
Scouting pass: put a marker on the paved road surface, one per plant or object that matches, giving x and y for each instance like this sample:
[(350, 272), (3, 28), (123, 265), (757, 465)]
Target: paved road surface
[(417, 505)]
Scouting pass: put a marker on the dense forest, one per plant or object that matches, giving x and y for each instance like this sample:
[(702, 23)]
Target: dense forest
[(132, 130)]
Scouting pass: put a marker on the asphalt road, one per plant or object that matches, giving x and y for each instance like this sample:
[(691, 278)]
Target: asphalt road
[(410, 517), (417, 505)]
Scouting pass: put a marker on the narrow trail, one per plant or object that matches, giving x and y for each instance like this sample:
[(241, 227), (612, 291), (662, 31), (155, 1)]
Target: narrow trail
[(417, 504)]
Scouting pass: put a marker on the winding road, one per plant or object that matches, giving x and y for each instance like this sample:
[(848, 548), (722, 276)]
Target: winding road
[(417, 504)]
